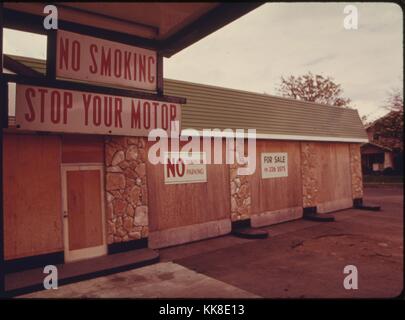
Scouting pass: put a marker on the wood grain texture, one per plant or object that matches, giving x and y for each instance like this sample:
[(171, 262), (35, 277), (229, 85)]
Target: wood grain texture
[(277, 193), (334, 174), (32, 195), (82, 148), (179, 205), (84, 209)]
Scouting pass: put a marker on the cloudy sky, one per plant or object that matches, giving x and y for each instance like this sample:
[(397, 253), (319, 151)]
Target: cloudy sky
[(281, 39)]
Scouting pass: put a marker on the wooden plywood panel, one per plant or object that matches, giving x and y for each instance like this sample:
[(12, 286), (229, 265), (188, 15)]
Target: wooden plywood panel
[(32, 195), (82, 149), (84, 209), (334, 171), (277, 193), (179, 205)]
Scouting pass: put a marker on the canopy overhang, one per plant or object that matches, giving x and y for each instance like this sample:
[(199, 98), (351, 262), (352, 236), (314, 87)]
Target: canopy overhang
[(165, 27)]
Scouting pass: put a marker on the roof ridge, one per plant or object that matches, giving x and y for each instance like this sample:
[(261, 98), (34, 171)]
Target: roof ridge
[(256, 93)]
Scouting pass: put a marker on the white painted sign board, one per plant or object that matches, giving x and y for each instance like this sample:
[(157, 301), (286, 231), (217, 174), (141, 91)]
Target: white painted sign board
[(181, 167), (274, 165), (58, 110), (90, 59)]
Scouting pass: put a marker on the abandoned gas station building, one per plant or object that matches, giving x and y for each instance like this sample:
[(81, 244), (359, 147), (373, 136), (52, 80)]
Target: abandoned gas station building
[(322, 144), (71, 194)]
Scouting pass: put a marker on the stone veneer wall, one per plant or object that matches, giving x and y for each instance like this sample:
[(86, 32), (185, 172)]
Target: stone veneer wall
[(126, 188), (355, 168), (240, 190), (240, 195), (310, 185)]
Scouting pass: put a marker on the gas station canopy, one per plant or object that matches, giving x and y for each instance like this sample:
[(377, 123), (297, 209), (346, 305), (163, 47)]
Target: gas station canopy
[(165, 27)]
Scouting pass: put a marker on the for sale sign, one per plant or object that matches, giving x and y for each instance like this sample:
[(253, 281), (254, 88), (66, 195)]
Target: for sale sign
[(183, 167), (59, 110), (274, 165), (90, 59)]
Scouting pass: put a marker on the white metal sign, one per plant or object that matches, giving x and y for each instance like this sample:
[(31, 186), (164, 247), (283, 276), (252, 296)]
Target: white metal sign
[(90, 59), (274, 165), (181, 167), (59, 110)]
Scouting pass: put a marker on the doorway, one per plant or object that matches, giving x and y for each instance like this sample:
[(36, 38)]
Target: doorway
[(83, 211)]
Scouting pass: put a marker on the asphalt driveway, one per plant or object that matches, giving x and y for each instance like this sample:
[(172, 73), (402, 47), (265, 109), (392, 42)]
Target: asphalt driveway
[(300, 259), (306, 259)]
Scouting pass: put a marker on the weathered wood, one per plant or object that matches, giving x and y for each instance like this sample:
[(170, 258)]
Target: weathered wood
[(32, 195), (82, 148), (84, 209), (334, 171), (277, 193), (179, 205)]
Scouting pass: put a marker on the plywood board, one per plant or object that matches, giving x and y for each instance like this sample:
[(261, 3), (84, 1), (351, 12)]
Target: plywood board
[(281, 192), (84, 209), (82, 148), (32, 195), (177, 205)]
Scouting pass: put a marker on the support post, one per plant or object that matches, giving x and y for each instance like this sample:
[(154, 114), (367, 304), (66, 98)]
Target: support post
[(159, 74), (3, 87)]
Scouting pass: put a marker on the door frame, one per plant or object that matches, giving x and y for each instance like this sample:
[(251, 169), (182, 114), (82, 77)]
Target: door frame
[(85, 253)]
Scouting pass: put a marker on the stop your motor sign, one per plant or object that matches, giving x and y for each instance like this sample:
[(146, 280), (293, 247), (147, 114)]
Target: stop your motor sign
[(58, 110)]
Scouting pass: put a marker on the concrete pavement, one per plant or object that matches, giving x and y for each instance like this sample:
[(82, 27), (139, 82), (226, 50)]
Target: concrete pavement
[(300, 259), (161, 280)]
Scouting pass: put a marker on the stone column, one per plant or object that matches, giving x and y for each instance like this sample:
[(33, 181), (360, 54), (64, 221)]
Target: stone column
[(240, 195), (310, 184), (355, 168), (126, 188)]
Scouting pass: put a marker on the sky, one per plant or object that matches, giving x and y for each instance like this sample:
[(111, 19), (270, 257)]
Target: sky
[(282, 39)]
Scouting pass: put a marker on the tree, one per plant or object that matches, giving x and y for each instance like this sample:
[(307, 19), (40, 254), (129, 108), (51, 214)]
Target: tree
[(365, 121), (314, 88), (389, 128), (395, 100)]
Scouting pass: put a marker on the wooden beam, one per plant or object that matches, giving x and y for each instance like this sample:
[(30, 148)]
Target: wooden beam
[(205, 25), (79, 86), (19, 68)]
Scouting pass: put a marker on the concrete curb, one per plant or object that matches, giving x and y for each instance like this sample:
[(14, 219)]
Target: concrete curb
[(383, 185)]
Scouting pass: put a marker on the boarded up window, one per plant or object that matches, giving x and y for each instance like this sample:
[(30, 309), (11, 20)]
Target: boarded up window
[(32, 195)]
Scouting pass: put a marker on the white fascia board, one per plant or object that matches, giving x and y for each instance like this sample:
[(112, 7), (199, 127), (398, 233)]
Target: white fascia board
[(228, 134)]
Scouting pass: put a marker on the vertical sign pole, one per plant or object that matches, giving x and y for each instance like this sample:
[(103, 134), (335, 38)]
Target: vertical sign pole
[(51, 55), (3, 91), (159, 74)]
